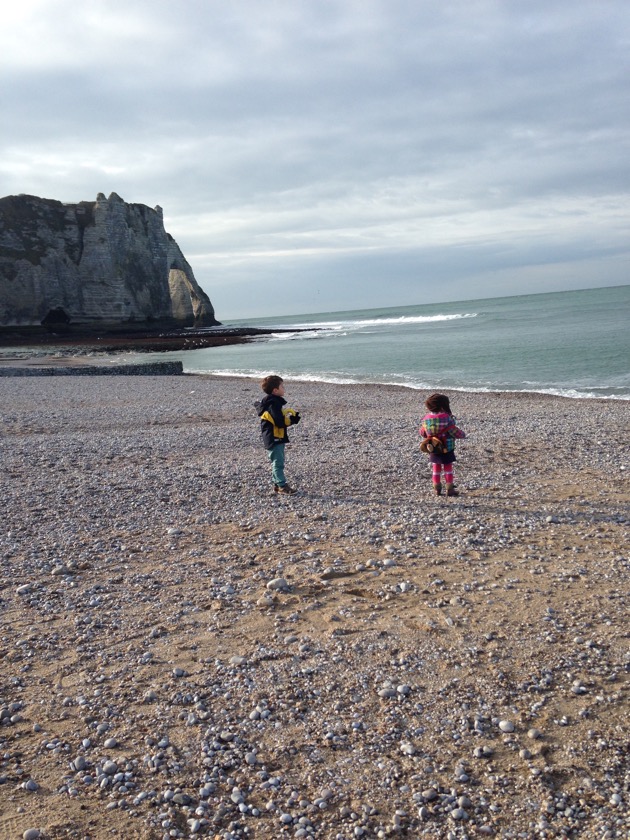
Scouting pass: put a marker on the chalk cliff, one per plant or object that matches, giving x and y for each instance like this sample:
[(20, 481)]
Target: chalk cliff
[(106, 262)]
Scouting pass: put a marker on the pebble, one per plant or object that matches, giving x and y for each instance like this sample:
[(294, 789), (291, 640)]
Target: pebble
[(238, 660), (387, 692), (360, 732), (278, 585), (506, 726), (265, 601)]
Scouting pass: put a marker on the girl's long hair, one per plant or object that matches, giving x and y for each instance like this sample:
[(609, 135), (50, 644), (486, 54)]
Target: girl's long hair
[(437, 403)]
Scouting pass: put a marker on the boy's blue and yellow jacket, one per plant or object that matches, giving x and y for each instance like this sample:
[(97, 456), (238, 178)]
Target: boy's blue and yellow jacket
[(274, 420)]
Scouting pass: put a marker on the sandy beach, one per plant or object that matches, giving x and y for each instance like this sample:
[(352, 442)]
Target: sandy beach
[(186, 654)]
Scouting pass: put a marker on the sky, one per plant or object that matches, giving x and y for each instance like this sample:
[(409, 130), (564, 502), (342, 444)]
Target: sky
[(321, 155)]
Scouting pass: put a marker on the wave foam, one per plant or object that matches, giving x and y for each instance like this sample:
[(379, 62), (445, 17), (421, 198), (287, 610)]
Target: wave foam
[(338, 378), (380, 322)]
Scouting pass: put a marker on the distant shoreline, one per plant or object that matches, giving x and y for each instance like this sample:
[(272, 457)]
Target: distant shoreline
[(71, 340)]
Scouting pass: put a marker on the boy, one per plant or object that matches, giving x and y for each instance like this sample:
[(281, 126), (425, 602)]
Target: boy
[(274, 419)]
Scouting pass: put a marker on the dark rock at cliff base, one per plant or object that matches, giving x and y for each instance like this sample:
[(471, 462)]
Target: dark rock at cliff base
[(91, 264)]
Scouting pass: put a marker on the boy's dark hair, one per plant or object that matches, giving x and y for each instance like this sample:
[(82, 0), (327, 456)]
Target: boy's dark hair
[(269, 383), (437, 403)]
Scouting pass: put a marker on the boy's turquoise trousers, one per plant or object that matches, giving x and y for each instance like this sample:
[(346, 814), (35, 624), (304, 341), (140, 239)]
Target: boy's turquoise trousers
[(276, 456)]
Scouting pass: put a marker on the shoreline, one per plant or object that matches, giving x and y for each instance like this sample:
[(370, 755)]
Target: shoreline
[(429, 665), (108, 350), (45, 360), (112, 339), (415, 388)]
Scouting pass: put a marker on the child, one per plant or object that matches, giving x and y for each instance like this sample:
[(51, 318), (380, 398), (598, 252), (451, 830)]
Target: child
[(274, 419), (440, 423)]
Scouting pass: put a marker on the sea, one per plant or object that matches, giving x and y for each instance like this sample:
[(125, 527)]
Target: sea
[(572, 344)]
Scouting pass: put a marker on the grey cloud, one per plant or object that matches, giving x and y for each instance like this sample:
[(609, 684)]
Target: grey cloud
[(333, 144)]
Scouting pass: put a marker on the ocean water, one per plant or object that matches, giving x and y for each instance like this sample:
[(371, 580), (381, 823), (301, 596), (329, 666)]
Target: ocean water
[(574, 344)]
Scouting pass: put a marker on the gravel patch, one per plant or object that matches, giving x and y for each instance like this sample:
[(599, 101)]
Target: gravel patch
[(186, 654)]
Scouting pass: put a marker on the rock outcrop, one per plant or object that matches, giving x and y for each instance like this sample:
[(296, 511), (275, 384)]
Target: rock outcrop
[(106, 262)]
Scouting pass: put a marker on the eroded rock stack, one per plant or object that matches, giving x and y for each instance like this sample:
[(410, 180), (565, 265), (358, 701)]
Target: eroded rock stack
[(93, 263)]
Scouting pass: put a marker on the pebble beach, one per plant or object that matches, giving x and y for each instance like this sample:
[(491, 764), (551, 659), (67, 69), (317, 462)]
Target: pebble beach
[(185, 654)]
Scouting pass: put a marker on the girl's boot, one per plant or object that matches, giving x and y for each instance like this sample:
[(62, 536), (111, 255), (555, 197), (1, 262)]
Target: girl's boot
[(438, 489), (451, 491)]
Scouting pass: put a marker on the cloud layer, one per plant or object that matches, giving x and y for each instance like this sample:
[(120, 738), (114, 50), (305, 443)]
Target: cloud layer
[(330, 154)]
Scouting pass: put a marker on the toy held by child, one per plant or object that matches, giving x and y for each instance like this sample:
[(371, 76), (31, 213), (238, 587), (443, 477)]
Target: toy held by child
[(275, 418), (439, 430)]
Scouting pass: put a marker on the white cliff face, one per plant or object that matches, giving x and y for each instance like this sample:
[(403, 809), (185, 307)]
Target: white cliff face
[(181, 301), (109, 262)]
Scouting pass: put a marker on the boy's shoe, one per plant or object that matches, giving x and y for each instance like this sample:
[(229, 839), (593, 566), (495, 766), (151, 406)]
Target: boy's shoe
[(289, 491)]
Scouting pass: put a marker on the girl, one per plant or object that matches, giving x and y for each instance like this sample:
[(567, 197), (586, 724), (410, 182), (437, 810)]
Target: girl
[(439, 423)]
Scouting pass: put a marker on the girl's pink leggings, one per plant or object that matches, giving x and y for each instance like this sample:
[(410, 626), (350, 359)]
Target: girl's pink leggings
[(448, 473)]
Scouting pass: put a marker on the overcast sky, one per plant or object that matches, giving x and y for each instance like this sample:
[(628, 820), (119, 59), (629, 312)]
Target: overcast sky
[(316, 155)]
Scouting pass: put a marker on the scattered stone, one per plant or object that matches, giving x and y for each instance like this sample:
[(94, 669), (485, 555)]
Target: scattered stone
[(238, 661), (278, 585), (349, 682), (387, 692)]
